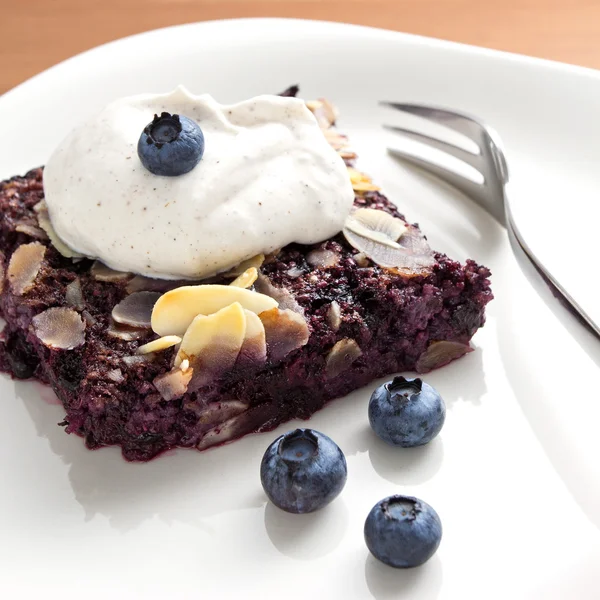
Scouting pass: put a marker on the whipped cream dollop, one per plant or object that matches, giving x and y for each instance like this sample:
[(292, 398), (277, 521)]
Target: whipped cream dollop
[(268, 177)]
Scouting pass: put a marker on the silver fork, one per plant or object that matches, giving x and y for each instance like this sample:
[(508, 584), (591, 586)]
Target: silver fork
[(490, 162)]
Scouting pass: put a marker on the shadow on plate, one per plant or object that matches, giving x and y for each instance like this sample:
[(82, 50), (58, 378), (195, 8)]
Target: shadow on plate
[(422, 582), (543, 424), (406, 466), (310, 536), (172, 487)]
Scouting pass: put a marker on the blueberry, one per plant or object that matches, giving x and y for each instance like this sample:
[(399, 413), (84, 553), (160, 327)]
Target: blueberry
[(406, 412), (171, 145), (402, 531), (302, 471)]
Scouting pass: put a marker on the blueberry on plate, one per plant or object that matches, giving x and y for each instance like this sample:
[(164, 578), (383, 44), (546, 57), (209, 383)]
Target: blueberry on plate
[(402, 531), (302, 471), (171, 145), (406, 412)]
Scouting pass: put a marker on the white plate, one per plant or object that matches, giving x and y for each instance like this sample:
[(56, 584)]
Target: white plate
[(514, 474)]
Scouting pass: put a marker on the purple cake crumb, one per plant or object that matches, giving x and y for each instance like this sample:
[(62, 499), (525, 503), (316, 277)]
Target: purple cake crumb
[(109, 397)]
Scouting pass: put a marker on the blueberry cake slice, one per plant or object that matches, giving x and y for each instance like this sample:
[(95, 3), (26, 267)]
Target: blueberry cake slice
[(150, 364)]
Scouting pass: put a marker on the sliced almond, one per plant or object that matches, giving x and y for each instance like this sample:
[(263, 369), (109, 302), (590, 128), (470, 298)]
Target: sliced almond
[(325, 112), (361, 259), (246, 279), (74, 294), (294, 272), (336, 140), (31, 231), (24, 266), (321, 257), (136, 309), (116, 375), (127, 334), (217, 412), (361, 182), (285, 331), (45, 223), (388, 241), (284, 298), (167, 341), (175, 310), (212, 344), (254, 347), (341, 356), (137, 359), (334, 316), (59, 328), (255, 261), (173, 384), (375, 225), (101, 272), (440, 353)]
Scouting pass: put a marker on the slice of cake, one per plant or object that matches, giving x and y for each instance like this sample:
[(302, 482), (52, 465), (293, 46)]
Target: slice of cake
[(151, 364)]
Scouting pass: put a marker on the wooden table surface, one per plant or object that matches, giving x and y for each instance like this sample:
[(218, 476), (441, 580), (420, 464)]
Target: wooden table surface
[(39, 33)]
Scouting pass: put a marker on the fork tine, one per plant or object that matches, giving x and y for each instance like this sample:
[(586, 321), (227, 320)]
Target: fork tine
[(471, 158), (466, 186), (459, 122)]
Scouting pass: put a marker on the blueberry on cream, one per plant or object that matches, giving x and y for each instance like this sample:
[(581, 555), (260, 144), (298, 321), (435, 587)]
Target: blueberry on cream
[(406, 412), (402, 531), (303, 471), (171, 145)]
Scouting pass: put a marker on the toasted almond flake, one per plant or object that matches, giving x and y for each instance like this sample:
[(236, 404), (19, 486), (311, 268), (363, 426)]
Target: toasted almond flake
[(167, 341), (89, 318), (24, 266), (357, 176), (336, 140), (347, 154), (363, 186), (59, 328), (341, 356), (116, 375), (40, 206), (283, 296), (325, 112), (45, 223), (74, 294), (255, 261), (136, 309), (361, 259), (246, 279), (321, 257), (212, 343), (440, 353), (127, 334), (175, 310), (294, 272), (173, 384), (218, 412), (285, 331), (410, 254), (32, 231), (101, 272), (375, 225), (137, 359), (334, 316), (254, 347)]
